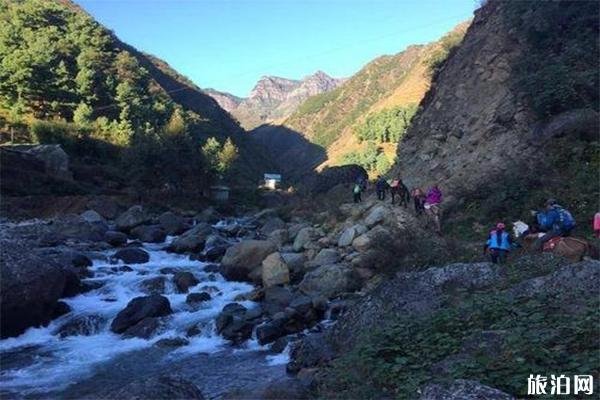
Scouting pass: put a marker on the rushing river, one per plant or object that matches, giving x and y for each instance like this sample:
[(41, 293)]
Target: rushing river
[(42, 364)]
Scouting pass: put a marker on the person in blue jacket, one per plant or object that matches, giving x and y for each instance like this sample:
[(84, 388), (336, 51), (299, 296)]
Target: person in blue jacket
[(498, 244), (555, 221)]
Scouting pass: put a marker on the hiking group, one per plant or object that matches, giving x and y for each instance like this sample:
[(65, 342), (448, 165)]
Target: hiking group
[(428, 203), (554, 221)]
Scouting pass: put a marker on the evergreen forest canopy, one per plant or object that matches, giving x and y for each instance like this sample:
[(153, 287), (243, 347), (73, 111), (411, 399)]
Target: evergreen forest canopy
[(66, 79)]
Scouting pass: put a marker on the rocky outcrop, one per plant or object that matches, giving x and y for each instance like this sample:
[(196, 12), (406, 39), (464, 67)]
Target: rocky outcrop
[(243, 260)]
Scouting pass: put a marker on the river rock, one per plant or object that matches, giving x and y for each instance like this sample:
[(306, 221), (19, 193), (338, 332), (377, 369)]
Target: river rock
[(276, 299), (269, 332), (271, 225), (172, 223), (192, 240), (274, 271), (243, 260), (131, 218), (115, 239), (329, 281), (349, 234), (138, 309), (82, 326), (279, 237), (462, 389), (144, 329), (153, 285), (132, 255), (172, 342), (149, 233), (184, 280), (324, 257), (304, 237), (105, 206), (92, 216), (377, 215), (163, 387), (195, 298), (232, 324), (30, 288)]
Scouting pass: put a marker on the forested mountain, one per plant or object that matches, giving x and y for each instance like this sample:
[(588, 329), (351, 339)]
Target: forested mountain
[(274, 98), (362, 120), (66, 79)]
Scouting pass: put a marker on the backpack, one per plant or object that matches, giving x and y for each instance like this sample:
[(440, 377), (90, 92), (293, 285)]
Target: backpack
[(566, 219), (395, 183), (357, 188)]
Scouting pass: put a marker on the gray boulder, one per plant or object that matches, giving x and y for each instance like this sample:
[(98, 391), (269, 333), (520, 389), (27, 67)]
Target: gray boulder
[(377, 215), (149, 233), (243, 260), (131, 218), (138, 309), (329, 281), (274, 271), (324, 257), (132, 255), (172, 223), (184, 280), (304, 237), (30, 288), (192, 240), (349, 234), (115, 239), (92, 216), (232, 323)]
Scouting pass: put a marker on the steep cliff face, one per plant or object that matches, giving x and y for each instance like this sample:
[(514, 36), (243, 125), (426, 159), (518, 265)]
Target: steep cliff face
[(273, 98), (477, 128)]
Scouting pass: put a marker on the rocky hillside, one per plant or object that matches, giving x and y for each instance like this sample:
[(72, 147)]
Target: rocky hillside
[(501, 128), (273, 98), (389, 85)]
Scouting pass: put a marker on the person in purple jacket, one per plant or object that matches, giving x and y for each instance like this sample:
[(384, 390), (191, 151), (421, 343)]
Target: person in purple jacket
[(432, 206)]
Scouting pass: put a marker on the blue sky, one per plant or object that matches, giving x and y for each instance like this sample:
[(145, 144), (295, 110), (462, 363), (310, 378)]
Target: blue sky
[(229, 44)]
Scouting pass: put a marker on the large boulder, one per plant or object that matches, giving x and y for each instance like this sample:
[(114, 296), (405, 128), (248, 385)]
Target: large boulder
[(243, 260), (377, 215), (462, 389), (232, 323), (324, 257), (30, 288), (115, 238), (54, 158), (329, 281), (105, 206), (184, 280), (149, 233), (295, 263), (162, 387), (349, 234), (72, 226), (92, 216), (304, 237), (172, 223), (274, 271), (367, 240), (192, 240), (131, 218), (271, 225), (138, 309), (132, 255)]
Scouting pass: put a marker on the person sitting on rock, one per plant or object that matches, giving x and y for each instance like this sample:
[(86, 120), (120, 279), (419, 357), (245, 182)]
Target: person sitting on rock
[(555, 221), (498, 244), (381, 186), (419, 200), (398, 188), (356, 192), (432, 206)]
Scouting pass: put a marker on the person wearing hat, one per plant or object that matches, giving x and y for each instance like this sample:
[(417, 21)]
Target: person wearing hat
[(498, 244)]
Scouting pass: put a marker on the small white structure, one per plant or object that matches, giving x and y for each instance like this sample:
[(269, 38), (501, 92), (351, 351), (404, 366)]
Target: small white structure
[(272, 181)]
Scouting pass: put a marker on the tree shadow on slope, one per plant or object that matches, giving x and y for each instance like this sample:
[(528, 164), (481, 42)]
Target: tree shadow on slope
[(291, 152)]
